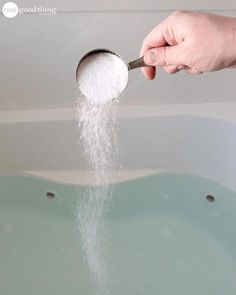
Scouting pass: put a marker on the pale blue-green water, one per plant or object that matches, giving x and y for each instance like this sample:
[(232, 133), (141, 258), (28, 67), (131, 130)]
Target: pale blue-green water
[(160, 237)]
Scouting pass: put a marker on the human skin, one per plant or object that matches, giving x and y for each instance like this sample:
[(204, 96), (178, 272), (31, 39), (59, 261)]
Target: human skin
[(192, 41)]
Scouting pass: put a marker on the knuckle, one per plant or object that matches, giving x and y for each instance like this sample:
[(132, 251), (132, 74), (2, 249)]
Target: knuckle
[(162, 56), (174, 71), (171, 70), (178, 12), (194, 72)]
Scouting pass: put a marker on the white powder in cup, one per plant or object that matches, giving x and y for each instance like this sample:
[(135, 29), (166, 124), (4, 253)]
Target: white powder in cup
[(102, 77)]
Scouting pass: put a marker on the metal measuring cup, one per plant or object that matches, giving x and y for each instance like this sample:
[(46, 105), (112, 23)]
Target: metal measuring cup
[(137, 63)]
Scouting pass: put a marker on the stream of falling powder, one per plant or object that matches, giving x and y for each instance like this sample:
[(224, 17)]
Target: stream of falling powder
[(98, 133)]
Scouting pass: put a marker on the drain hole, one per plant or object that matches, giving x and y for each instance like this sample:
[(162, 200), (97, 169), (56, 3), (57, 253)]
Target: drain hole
[(50, 195), (210, 198)]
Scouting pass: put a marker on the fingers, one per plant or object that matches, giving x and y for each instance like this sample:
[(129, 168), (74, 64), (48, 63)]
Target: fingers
[(193, 71), (157, 52), (171, 69), (149, 72), (168, 57), (165, 56), (154, 39), (176, 69)]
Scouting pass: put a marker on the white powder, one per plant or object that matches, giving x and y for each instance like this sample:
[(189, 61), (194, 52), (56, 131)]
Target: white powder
[(98, 133), (102, 77)]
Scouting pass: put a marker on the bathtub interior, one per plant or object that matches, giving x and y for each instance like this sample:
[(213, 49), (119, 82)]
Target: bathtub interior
[(161, 235)]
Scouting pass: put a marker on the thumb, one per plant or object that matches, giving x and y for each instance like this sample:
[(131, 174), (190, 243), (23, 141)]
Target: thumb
[(165, 56)]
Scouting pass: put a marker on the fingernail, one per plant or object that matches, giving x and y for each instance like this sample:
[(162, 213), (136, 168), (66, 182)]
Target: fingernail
[(150, 57)]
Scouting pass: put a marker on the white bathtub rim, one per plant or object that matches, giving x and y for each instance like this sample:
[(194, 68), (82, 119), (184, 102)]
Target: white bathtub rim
[(224, 111)]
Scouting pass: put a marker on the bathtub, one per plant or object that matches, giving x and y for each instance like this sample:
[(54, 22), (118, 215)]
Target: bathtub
[(171, 223)]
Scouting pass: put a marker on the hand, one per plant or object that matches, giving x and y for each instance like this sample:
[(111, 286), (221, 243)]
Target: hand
[(194, 41)]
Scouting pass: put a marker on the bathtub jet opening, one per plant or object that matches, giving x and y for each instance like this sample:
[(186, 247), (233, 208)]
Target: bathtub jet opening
[(210, 198), (50, 195)]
